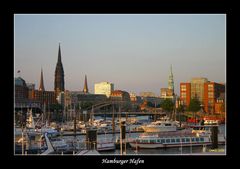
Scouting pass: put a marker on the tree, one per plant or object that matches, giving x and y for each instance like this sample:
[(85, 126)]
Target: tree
[(167, 105), (194, 106)]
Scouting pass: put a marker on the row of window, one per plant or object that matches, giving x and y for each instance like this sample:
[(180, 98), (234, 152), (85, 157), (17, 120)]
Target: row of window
[(173, 140)]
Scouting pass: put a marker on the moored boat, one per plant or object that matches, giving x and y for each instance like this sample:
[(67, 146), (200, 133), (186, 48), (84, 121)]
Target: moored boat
[(174, 139), (162, 125)]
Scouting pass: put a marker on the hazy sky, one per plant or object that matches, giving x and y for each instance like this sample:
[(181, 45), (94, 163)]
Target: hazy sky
[(132, 51)]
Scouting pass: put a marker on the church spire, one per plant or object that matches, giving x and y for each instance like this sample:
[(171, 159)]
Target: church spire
[(59, 54), (41, 87), (59, 75), (170, 80), (85, 89)]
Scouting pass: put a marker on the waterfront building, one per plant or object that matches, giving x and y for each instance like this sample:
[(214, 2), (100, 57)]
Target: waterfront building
[(31, 86), (75, 97), (47, 97), (119, 95), (166, 93), (104, 88), (21, 89), (220, 104), (134, 98), (21, 99), (59, 75), (205, 91), (147, 94)]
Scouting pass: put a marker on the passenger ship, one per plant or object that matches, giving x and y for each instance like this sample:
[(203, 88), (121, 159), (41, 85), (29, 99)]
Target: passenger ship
[(186, 137)]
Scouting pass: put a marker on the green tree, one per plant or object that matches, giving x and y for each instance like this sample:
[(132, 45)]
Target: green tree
[(167, 105), (194, 106)]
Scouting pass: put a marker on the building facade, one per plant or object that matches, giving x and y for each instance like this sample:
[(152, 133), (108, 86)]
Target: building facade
[(44, 97), (134, 98), (104, 88), (166, 93), (212, 92), (76, 97), (21, 89), (220, 104), (205, 91), (147, 94), (119, 95), (21, 95)]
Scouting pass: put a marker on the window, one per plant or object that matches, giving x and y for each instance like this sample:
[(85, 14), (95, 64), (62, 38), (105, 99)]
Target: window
[(193, 139), (173, 140), (202, 139), (197, 139), (152, 141), (183, 94), (183, 88), (163, 141), (187, 140), (183, 139), (210, 87), (178, 140), (167, 140), (210, 101), (210, 94)]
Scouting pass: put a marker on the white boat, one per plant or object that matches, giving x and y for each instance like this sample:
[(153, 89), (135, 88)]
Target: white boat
[(174, 139), (161, 125), (54, 145), (104, 146), (59, 144)]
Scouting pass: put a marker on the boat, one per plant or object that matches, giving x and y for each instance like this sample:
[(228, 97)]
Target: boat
[(186, 137), (105, 144), (54, 145), (32, 129), (162, 125), (59, 144)]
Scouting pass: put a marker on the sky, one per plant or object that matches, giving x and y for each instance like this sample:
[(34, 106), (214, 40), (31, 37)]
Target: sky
[(134, 52)]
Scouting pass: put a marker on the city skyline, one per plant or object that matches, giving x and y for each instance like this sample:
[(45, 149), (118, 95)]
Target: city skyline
[(134, 52)]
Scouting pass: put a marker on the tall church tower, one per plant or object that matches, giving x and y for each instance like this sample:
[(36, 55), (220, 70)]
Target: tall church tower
[(170, 81), (85, 89), (41, 86), (59, 75)]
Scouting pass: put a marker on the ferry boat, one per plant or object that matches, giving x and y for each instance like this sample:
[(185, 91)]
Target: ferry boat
[(162, 125), (182, 138)]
